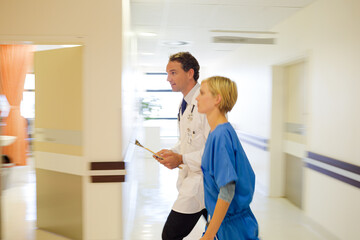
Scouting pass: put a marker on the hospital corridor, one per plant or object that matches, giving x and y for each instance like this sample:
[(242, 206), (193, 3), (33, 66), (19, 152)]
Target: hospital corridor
[(82, 81), (152, 195)]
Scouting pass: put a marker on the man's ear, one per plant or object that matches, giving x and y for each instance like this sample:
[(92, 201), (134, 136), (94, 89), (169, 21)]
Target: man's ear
[(191, 73)]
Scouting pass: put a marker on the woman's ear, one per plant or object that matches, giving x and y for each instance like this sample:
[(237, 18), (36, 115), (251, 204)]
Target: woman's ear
[(217, 99)]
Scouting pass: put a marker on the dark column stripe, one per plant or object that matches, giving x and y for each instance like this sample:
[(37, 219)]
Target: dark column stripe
[(108, 178), (334, 175), (107, 166), (333, 162)]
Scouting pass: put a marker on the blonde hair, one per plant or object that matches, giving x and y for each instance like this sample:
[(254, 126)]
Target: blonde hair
[(226, 89)]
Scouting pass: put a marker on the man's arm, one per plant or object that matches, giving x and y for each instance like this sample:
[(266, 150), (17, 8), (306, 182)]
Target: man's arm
[(173, 159), (170, 159)]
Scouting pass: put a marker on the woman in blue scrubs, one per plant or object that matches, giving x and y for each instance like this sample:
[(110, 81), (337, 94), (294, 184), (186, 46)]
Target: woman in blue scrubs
[(229, 180)]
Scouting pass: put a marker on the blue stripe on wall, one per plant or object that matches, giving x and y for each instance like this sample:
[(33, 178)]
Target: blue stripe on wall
[(334, 162), (253, 140), (264, 140), (334, 175), (253, 144)]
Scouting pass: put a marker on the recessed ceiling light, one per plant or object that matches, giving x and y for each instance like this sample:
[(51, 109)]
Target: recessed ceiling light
[(147, 34), (250, 32), (146, 53), (175, 43)]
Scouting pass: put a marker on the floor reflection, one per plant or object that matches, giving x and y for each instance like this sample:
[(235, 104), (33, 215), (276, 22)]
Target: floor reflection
[(156, 192), (151, 190)]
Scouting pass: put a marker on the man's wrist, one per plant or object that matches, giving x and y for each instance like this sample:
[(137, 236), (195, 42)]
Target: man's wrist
[(181, 159)]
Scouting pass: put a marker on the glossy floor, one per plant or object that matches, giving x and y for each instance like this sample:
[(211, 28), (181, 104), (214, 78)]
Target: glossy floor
[(153, 189)]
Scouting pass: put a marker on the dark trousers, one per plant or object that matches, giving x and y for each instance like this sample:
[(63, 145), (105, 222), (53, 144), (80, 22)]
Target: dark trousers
[(179, 225)]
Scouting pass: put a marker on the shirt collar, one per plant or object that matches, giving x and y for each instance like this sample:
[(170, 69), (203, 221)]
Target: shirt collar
[(191, 94)]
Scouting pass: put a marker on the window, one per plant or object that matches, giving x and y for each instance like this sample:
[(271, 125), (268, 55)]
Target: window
[(157, 91), (27, 106)]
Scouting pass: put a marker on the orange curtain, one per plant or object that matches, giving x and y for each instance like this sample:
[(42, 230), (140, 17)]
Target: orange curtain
[(15, 62)]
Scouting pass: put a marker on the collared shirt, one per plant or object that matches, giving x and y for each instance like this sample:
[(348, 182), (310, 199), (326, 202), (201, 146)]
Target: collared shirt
[(190, 95)]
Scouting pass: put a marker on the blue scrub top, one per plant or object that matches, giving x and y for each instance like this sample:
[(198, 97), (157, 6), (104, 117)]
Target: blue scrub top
[(224, 161)]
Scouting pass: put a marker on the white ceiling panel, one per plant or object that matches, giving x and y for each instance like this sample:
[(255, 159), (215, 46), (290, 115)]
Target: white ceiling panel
[(193, 22)]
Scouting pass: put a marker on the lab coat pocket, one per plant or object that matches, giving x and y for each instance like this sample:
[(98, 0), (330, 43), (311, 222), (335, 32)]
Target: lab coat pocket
[(190, 185)]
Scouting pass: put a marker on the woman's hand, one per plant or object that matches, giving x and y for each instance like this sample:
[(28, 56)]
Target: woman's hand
[(207, 238), (220, 211)]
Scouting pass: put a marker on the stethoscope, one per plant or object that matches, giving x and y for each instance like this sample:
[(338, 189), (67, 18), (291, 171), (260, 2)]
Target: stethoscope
[(190, 116)]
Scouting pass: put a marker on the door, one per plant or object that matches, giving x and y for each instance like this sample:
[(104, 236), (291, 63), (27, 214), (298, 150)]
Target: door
[(294, 130), (58, 141)]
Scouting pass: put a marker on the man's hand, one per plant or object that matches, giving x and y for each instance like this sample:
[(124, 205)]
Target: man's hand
[(170, 159)]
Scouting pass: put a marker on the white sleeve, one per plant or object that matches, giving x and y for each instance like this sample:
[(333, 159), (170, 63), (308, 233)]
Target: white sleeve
[(176, 147), (193, 159)]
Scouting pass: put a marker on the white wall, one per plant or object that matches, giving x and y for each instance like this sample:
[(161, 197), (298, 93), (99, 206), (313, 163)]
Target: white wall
[(328, 29), (249, 68), (98, 26), (327, 33)]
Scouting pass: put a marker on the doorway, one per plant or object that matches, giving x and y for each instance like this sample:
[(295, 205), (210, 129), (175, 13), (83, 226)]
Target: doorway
[(294, 130), (288, 134), (19, 214)]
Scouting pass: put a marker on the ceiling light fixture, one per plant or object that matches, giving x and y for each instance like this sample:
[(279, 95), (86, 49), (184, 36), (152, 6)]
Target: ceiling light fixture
[(175, 43), (147, 34), (147, 53), (247, 32)]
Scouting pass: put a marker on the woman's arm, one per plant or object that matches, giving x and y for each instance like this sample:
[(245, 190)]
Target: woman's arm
[(216, 220), (226, 195)]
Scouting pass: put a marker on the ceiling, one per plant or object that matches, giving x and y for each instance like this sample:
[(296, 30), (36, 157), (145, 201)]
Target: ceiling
[(191, 25)]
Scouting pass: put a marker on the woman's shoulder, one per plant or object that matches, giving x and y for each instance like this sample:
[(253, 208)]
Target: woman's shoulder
[(223, 127), (225, 132), (222, 130)]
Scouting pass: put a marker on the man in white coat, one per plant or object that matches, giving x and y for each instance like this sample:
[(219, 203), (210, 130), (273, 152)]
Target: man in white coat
[(183, 73)]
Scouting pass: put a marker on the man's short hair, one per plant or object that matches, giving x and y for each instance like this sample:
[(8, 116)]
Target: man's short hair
[(187, 61)]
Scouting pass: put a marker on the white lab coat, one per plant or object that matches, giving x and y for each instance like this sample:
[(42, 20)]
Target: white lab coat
[(194, 130)]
